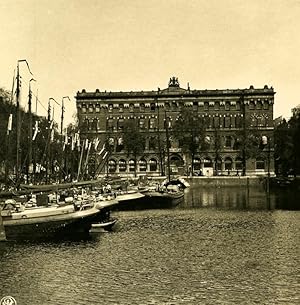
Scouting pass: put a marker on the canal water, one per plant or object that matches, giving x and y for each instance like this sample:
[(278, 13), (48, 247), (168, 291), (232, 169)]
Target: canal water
[(221, 246)]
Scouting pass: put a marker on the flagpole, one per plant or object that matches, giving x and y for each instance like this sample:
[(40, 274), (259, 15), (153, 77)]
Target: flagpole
[(79, 166)]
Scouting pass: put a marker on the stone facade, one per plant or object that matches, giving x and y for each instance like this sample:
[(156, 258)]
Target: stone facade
[(103, 113)]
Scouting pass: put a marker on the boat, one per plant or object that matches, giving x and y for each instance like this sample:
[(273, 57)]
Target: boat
[(70, 216), (128, 200), (104, 226), (164, 197)]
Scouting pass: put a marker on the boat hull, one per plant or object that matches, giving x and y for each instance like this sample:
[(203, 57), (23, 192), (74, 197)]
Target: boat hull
[(41, 227), (152, 200)]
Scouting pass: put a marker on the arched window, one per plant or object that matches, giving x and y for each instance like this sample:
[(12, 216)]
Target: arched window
[(95, 124), (260, 163), (121, 108), (131, 107), (197, 164), (207, 162), (153, 165), (142, 123), (97, 108), (110, 124), (121, 124), (228, 163), (122, 165), (152, 123), (142, 165), (142, 107), (110, 107), (152, 106), (112, 166), (131, 165)]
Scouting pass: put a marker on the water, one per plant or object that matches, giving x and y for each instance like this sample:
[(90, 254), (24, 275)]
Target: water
[(222, 246)]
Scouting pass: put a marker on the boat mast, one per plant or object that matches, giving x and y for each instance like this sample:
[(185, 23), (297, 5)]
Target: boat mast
[(29, 168), (18, 124), (168, 146), (18, 119)]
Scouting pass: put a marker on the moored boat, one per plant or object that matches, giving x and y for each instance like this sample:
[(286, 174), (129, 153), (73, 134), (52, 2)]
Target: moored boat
[(68, 217)]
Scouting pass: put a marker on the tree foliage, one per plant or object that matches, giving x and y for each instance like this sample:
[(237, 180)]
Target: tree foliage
[(190, 130), (133, 140)]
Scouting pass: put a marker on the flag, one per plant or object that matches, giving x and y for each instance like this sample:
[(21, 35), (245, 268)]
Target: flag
[(9, 124), (96, 143), (73, 140), (36, 130), (52, 135)]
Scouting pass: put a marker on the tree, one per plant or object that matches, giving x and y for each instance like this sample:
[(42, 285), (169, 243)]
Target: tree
[(133, 140), (190, 131), (248, 141), (284, 148)]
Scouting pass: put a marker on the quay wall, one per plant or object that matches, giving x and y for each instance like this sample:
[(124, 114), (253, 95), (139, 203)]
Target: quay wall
[(226, 181)]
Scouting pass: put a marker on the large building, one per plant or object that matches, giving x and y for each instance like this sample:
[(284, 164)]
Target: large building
[(230, 112)]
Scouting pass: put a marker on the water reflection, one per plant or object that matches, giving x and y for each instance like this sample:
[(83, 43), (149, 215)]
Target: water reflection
[(230, 197), (222, 246)]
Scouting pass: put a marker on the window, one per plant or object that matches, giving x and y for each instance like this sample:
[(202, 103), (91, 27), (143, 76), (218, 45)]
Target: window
[(266, 105), (153, 165), (238, 106), (197, 164), (207, 162), (121, 108), (112, 166), (97, 108), (152, 143), (216, 122), (122, 165), (142, 123), (120, 145), (167, 105), (121, 124), (258, 106), (131, 107), (260, 163), (152, 123), (131, 165), (110, 124), (227, 106), (227, 122), (228, 163), (110, 107), (217, 106), (152, 106), (251, 105), (143, 165), (228, 141), (142, 107), (206, 106), (95, 124), (91, 108)]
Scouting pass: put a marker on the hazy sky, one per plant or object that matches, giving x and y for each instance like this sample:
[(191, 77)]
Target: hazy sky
[(138, 45)]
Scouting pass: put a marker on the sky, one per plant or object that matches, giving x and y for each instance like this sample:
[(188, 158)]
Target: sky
[(124, 45)]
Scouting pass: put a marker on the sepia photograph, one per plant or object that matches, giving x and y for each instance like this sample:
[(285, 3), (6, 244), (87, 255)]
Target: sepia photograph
[(149, 152)]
